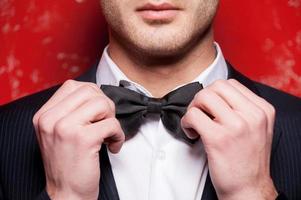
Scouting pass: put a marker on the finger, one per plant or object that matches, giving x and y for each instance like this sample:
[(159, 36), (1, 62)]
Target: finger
[(260, 102), (196, 123), (66, 89), (66, 106), (237, 101), (106, 131), (214, 106), (93, 110)]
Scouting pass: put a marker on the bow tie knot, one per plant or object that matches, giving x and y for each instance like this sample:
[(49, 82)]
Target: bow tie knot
[(154, 105)]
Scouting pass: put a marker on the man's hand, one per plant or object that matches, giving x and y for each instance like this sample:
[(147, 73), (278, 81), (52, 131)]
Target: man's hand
[(70, 129), (236, 128)]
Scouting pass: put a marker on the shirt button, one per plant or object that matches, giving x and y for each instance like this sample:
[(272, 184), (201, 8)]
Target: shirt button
[(161, 155)]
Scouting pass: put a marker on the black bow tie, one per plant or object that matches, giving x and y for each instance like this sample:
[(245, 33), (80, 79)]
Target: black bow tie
[(132, 108)]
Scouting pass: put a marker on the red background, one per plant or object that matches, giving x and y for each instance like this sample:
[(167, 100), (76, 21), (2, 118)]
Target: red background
[(45, 42)]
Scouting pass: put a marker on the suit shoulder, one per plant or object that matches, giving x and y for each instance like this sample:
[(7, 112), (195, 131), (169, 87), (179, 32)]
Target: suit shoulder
[(30, 103), (282, 101)]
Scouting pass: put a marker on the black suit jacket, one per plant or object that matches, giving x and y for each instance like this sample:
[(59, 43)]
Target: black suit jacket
[(21, 168)]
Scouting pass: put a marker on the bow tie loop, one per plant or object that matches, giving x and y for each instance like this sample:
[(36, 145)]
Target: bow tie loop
[(132, 108)]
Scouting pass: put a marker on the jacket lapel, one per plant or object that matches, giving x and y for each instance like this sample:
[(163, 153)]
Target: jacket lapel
[(209, 192), (89, 75), (107, 185)]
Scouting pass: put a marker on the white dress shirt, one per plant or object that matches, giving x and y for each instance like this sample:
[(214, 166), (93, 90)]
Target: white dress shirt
[(153, 165)]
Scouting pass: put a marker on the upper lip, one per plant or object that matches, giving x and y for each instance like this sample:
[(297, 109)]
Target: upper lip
[(157, 7)]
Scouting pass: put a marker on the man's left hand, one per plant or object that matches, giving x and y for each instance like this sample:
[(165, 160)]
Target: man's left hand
[(236, 128)]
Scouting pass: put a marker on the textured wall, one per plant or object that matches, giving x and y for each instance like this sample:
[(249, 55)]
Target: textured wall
[(263, 39), (45, 42)]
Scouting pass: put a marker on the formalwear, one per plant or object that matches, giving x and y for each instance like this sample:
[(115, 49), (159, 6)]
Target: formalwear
[(21, 168), (153, 165)]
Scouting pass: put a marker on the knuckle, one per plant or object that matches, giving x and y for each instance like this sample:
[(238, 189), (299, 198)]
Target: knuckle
[(112, 105), (232, 80), (204, 95), (62, 128), (114, 130), (272, 110), (239, 126), (103, 105), (197, 98), (218, 84), (35, 119), (260, 117), (88, 89), (190, 115), (70, 84), (43, 123), (115, 124), (200, 94), (94, 86)]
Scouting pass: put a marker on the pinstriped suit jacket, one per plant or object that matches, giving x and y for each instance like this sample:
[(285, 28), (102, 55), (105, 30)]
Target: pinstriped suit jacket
[(21, 168)]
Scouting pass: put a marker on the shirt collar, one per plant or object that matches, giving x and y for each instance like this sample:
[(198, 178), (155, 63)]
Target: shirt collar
[(108, 73)]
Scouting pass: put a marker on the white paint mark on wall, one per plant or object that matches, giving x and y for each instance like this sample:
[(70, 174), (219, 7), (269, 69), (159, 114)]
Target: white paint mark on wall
[(12, 62), (298, 40), (268, 45), (294, 3), (74, 69), (2, 70), (276, 20), (67, 57), (47, 40), (79, 1), (6, 28), (61, 56), (16, 27), (14, 85), (19, 73), (34, 76), (6, 9), (285, 75), (31, 6), (43, 22)]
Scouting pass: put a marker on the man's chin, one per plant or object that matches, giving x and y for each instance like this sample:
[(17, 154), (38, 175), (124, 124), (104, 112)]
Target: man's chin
[(159, 55)]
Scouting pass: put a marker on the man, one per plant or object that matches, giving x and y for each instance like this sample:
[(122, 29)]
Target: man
[(233, 146)]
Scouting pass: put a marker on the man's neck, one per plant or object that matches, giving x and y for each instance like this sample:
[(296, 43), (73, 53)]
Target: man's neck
[(159, 78)]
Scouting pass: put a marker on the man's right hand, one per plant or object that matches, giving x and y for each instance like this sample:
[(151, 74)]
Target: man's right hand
[(70, 129)]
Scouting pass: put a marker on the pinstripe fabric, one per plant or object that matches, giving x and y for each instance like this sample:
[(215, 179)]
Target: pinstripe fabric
[(21, 168), (108, 188)]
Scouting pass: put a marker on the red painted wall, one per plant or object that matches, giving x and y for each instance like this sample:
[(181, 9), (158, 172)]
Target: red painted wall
[(45, 42)]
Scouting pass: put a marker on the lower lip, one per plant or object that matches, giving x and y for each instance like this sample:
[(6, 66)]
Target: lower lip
[(158, 14)]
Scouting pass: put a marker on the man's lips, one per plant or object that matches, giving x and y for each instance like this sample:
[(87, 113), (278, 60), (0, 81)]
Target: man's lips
[(162, 12), (157, 7)]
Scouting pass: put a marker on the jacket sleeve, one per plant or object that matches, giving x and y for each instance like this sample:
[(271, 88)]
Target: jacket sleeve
[(1, 192), (42, 196)]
